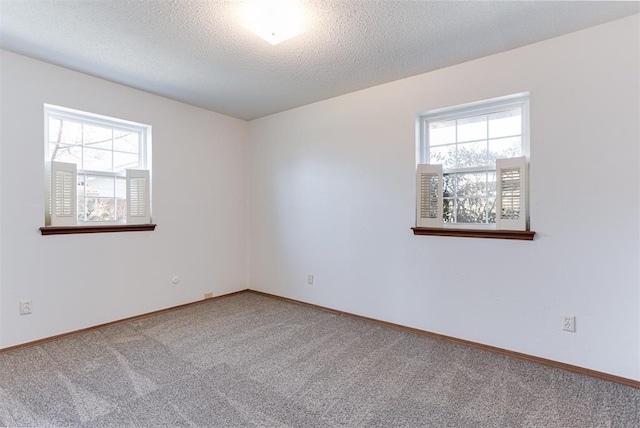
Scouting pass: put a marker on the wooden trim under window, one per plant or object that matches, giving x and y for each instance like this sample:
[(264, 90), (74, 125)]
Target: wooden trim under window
[(522, 235), (103, 228)]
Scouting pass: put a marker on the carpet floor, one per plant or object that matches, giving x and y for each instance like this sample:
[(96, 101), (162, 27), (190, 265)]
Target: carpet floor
[(253, 361)]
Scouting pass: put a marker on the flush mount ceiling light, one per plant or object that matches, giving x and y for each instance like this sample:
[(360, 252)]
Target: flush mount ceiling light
[(274, 20)]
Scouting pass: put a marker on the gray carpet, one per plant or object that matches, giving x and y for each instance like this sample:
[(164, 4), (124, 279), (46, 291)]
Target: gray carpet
[(250, 360)]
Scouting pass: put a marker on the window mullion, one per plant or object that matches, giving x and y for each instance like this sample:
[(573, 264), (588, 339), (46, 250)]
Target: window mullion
[(455, 179), (486, 179), (102, 173), (142, 151), (84, 179), (466, 170), (84, 197), (425, 143), (112, 160), (486, 197), (113, 187), (82, 147)]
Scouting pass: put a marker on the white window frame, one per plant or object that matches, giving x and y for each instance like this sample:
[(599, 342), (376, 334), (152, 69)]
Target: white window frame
[(144, 153), (519, 100)]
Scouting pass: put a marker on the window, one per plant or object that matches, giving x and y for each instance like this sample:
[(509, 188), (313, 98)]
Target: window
[(472, 165), (98, 169)]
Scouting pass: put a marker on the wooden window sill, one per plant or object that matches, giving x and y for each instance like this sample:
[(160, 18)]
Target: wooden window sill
[(67, 230), (522, 235)]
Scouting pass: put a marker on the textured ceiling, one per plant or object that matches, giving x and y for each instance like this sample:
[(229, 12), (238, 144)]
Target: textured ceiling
[(199, 53)]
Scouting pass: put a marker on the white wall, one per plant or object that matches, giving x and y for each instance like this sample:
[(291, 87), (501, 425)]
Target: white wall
[(332, 194), (76, 281)]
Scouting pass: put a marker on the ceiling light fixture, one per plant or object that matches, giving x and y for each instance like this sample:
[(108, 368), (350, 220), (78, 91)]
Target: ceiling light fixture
[(274, 20)]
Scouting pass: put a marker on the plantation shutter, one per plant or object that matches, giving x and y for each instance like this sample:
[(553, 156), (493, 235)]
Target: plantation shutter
[(138, 196), (64, 202), (429, 196), (512, 198)]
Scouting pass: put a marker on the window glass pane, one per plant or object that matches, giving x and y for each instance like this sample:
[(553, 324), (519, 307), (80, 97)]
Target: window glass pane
[(472, 184), (100, 209), (475, 197), (122, 161), (121, 210), (99, 186), (62, 153), (471, 154), (505, 123), (81, 202), (442, 133), (472, 128), (121, 201), (69, 132), (121, 188), (54, 129), (449, 192), (81, 207), (491, 211), (444, 155), (126, 141), (97, 137), (505, 148), (491, 184), (448, 185), (447, 211), (97, 160), (471, 210)]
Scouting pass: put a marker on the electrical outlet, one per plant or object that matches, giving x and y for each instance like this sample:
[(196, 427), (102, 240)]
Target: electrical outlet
[(25, 307), (569, 323), (310, 279), (208, 295)]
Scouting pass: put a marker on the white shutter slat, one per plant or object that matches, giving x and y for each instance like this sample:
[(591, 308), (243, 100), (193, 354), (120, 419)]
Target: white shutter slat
[(429, 195), (512, 207), (138, 196), (63, 188)]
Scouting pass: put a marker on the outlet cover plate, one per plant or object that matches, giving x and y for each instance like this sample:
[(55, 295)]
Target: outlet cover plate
[(569, 323), (26, 307)]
